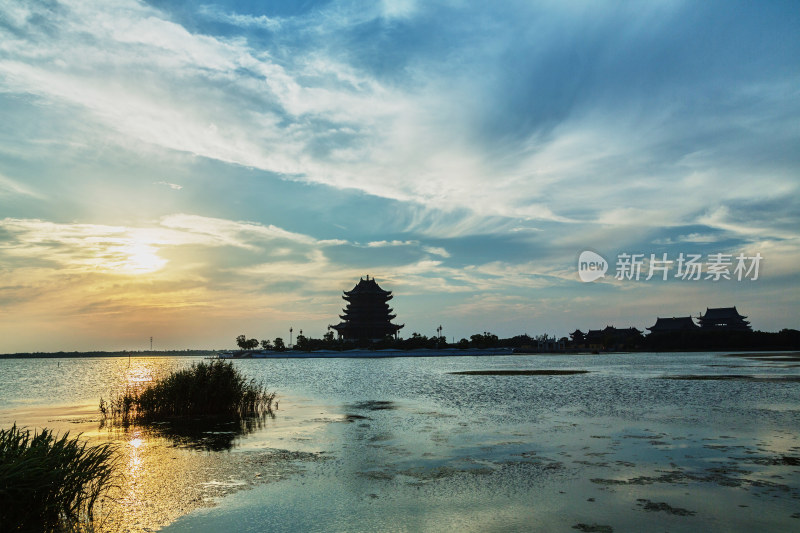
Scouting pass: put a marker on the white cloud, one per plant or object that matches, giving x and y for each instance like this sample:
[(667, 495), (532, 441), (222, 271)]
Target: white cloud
[(383, 244), (173, 186), (129, 69), (436, 250), (131, 250), (13, 187), (401, 9), (245, 21), (698, 238)]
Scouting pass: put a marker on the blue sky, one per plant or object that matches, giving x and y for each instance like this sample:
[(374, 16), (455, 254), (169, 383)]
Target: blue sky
[(196, 171)]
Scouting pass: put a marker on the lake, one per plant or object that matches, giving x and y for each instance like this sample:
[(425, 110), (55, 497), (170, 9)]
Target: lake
[(667, 441)]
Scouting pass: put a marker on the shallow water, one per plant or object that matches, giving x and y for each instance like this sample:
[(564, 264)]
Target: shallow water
[(403, 444)]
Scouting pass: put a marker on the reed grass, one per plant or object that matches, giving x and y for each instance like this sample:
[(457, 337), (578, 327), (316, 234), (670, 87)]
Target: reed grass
[(51, 483), (206, 389)]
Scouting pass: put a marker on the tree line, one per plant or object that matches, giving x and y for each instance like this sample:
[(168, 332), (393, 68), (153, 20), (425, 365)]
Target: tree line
[(786, 339), (415, 341)]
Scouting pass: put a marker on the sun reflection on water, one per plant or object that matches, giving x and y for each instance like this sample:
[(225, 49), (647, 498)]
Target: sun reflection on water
[(135, 461), (139, 374)]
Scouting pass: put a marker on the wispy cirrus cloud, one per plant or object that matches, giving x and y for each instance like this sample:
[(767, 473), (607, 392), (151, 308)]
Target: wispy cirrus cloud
[(217, 14), (9, 187), (317, 116)]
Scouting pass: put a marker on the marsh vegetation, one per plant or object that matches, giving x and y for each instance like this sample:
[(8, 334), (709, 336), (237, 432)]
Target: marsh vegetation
[(214, 389), (50, 482)]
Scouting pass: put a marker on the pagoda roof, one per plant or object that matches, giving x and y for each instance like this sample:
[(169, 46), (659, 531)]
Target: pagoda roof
[(349, 326), (367, 286), (673, 324), (721, 313)]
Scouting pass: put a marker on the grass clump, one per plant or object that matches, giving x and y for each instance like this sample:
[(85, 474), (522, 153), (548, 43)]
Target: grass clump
[(51, 483), (206, 389)]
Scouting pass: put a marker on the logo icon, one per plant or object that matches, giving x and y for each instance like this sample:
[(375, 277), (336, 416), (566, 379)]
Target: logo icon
[(591, 266)]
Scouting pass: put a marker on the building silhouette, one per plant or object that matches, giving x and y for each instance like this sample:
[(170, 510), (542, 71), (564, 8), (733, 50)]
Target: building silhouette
[(367, 315), (672, 325), (724, 319), (607, 338)]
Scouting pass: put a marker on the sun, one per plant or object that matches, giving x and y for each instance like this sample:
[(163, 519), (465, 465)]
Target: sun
[(140, 258)]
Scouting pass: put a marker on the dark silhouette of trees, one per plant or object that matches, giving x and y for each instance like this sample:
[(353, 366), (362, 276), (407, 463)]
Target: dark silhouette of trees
[(302, 343), (487, 340), (246, 344)]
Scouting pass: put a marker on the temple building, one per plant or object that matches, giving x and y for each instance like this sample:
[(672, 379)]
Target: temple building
[(724, 319), (577, 337), (608, 338), (672, 325), (367, 315)]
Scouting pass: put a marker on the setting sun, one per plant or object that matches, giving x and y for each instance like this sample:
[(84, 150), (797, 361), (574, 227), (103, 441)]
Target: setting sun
[(141, 259)]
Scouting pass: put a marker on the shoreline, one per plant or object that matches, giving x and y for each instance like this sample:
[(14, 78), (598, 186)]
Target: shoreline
[(376, 354)]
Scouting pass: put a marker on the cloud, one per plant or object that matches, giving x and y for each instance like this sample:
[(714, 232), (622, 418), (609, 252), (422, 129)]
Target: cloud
[(11, 187), (246, 21), (173, 186), (383, 244), (323, 116), (702, 238), (135, 250), (436, 250)]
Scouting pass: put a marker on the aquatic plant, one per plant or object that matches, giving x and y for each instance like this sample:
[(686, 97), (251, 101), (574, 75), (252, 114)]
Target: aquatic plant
[(206, 389), (51, 483)]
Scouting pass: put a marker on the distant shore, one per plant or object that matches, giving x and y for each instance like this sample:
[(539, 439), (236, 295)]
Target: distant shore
[(321, 354), (143, 353)]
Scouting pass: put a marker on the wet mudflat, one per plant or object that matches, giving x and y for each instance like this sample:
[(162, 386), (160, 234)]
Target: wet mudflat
[(419, 445), (768, 356), (540, 372)]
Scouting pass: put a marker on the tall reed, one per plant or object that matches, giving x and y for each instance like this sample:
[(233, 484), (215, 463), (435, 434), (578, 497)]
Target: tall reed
[(206, 389), (51, 483)]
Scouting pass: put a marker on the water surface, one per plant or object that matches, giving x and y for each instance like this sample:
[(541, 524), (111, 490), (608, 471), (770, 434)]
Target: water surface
[(409, 444)]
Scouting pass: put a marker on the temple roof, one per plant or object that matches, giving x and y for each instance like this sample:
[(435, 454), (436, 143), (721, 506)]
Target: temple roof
[(612, 329), (367, 286), (721, 313), (673, 324)]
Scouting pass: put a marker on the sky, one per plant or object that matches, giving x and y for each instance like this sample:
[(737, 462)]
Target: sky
[(193, 171)]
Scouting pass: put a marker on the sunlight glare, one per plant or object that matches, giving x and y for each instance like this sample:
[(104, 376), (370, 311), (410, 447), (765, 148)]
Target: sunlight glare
[(141, 259)]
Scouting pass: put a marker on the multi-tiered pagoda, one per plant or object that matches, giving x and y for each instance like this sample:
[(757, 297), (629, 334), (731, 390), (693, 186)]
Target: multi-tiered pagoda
[(367, 315)]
